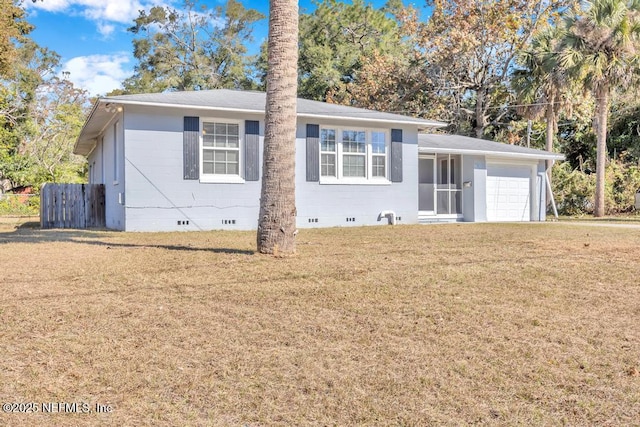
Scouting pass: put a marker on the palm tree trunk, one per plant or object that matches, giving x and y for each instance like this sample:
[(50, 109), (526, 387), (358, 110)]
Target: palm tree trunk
[(602, 112), (277, 221)]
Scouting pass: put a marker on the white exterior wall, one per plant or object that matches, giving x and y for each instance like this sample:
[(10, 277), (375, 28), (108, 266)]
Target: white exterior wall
[(109, 159), (475, 169), (474, 203), (475, 197), (96, 164), (159, 199), (332, 204)]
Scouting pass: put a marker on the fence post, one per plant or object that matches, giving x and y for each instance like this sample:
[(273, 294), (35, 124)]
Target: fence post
[(43, 204)]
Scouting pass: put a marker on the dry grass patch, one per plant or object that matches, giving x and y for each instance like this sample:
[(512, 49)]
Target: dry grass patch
[(412, 325)]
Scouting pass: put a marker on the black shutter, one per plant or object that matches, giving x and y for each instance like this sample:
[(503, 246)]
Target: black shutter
[(252, 150), (191, 148), (313, 153), (396, 155)]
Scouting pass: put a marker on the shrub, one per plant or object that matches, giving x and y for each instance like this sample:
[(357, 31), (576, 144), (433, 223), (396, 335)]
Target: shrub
[(574, 190), (19, 204)]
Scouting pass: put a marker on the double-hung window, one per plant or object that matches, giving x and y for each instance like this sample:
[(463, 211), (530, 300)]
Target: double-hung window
[(328, 152), (354, 155), (221, 142), (379, 154)]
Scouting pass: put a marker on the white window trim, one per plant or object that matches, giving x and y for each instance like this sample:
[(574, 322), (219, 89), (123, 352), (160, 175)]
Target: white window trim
[(369, 179), (222, 178)]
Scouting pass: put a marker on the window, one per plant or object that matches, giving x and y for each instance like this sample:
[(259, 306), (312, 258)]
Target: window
[(379, 154), (220, 149), (328, 152), (353, 155)]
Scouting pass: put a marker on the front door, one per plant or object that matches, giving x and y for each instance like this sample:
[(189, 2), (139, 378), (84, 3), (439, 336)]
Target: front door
[(440, 186), (426, 185)]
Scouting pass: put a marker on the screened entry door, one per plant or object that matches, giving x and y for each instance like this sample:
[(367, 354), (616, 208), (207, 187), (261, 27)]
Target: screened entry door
[(440, 185), (426, 185)]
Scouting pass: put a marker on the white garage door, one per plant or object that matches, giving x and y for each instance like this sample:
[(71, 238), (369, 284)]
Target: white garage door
[(508, 192)]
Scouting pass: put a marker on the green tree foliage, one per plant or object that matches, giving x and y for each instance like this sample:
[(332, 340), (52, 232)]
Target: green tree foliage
[(600, 50), (32, 66), (541, 84), (574, 190), (624, 130), (14, 93), (192, 49), (40, 115), (55, 123), (13, 31), (336, 40)]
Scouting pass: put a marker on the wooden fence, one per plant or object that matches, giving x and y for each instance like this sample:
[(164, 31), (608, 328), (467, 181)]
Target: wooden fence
[(72, 206)]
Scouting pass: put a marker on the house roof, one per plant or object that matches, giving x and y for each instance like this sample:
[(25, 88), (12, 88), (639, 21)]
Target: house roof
[(456, 144), (230, 100)]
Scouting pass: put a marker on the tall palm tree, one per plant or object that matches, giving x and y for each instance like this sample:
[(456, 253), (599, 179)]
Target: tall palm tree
[(600, 48), (277, 221), (541, 83)]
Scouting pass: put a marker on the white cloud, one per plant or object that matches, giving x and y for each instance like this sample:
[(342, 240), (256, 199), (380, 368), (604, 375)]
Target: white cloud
[(121, 11), (49, 5), (106, 30), (98, 74)]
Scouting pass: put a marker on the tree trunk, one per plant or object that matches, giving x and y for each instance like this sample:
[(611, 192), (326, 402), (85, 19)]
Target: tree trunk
[(480, 113), (602, 111), (277, 221)]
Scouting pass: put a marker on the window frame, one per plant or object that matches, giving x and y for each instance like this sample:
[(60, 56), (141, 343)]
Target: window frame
[(387, 148), (221, 178), (369, 179), (333, 153)]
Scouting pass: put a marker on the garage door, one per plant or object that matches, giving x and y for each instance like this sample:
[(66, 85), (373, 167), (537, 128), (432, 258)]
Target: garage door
[(508, 192)]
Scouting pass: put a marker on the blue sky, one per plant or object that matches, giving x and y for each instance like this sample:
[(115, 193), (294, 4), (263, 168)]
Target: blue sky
[(91, 35)]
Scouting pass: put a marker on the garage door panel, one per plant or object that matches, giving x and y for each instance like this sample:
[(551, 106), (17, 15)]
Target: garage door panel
[(508, 192)]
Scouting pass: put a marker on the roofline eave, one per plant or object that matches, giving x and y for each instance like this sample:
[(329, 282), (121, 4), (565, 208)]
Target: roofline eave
[(409, 121), (532, 156)]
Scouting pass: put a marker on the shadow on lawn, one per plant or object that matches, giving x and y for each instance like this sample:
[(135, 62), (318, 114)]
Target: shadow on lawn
[(31, 232)]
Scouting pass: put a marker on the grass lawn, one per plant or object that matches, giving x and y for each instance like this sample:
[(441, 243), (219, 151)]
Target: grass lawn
[(518, 324)]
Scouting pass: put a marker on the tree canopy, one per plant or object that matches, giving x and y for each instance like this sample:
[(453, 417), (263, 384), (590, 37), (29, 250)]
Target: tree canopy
[(600, 50), (40, 114), (193, 48), (336, 40), (14, 30)]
